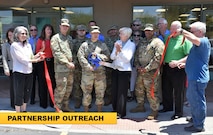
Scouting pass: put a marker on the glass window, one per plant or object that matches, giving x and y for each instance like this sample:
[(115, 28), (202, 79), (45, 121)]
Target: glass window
[(47, 15), (15, 16), (184, 13), (208, 18), (148, 14), (78, 15), (12, 17)]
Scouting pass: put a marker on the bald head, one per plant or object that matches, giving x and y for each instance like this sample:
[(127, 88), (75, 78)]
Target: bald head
[(174, 26)]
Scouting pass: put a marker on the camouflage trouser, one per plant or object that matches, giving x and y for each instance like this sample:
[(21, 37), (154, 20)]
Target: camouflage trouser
[(143, 85), (64, 82), (76, 85), (108, 82), (98, 79)]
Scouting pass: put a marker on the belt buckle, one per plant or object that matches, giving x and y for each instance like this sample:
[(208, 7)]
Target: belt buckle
[(48, 59)]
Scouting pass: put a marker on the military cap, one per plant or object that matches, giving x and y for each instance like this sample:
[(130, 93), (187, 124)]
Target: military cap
[(113, 27), (65, 22), (95, 29), (149, 26), (81, 27)]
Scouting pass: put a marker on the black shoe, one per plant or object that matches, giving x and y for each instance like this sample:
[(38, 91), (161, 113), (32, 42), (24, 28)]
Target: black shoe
[(90, 106), (119, 116), (193, 129), (176, 117), (43, 106), (130, 99), (189, 119), (164, 110)]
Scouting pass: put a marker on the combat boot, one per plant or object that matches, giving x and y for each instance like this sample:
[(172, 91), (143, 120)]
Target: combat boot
[(108, 101), (153, 115), (57, 109), (86, 108), (139, 108), (66, 108), (99, 108), (78, 103)]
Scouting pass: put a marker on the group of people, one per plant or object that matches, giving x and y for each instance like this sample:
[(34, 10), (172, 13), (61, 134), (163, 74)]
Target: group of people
[(146, 62)]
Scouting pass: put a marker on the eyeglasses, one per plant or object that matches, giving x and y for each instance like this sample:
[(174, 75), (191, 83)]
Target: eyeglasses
[(24, 34), (136, 35), (33, 30), (159, 24), (136, 25)]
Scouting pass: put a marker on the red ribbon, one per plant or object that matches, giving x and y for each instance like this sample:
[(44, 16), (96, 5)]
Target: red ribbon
[(49, 85)]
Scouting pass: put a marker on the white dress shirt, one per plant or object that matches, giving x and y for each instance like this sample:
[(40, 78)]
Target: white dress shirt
[(122, 61), (21, 54)]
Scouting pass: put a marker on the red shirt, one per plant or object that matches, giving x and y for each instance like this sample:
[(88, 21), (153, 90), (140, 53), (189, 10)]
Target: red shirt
[(47, 50)]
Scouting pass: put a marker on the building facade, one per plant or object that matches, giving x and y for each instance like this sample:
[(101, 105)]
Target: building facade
[(104, 12)]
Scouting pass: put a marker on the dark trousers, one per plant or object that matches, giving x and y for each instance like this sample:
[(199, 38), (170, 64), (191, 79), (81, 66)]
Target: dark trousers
[(11, 90), (42, 84), (173, 86), (22, 87), (120, 85), (35, 75)]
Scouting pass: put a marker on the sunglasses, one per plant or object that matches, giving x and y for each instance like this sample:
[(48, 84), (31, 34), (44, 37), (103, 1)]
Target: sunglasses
[(33, 30), (136, 35), (136, 24)]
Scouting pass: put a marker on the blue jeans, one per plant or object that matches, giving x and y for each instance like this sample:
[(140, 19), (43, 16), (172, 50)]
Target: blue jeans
[(196, 96)]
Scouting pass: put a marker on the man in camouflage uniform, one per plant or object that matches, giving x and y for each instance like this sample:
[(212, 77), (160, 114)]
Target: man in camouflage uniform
[(60, 45), (113, 36), (147, 61), (76, 43), (91, 74)]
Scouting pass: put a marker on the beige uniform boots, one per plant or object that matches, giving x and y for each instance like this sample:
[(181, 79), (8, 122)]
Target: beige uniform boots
[(99, 108), (139, 108), (66, 108), (86, 108), (153, 115)]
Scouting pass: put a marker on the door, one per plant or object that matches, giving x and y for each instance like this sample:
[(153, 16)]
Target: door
[(41, 19)]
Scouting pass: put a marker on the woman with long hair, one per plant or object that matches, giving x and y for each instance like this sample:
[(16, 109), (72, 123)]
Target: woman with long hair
[(43, 45)]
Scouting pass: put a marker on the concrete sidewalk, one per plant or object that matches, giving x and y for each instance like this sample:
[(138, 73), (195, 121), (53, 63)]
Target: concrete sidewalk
[(132, 124)]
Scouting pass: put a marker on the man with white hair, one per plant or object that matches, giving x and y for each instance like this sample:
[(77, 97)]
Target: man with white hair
[(162, 27), (174, 78), (197, 76)]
